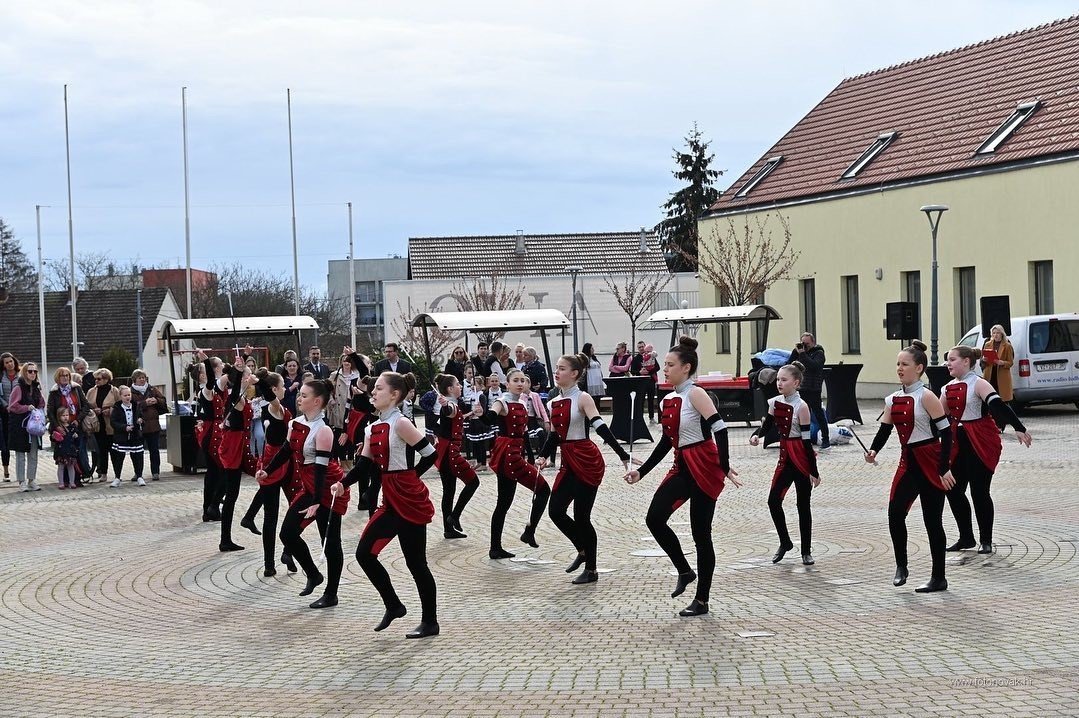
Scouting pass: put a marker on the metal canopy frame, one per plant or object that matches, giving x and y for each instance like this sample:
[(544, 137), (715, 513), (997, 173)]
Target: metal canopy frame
[(227, 326), (495, 321), (712, 315)]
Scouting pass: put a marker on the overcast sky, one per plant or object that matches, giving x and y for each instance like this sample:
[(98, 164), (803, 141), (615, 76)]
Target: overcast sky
[(433, 118)]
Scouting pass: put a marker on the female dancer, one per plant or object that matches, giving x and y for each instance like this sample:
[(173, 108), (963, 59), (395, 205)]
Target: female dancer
[(361, 413), (511, 468), (694, 428), (582, 467), (407, 507), (308, 447), (976, 444), (233, 445), (213, 400), (274, 420), (923, 465), (797, 460), (450, 414)]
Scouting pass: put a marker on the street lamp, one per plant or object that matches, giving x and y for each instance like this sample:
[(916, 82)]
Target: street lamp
[(573, 273), (933, 213)]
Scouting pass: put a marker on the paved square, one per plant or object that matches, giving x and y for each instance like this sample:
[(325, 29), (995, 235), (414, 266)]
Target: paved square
[(117, 603)]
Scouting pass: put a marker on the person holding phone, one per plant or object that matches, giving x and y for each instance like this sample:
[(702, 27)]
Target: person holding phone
[(811, 356)]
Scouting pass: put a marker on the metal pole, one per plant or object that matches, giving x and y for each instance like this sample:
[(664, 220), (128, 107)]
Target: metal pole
[(187, 201), (933, 329), (71, 238), (351, 280), (292, 189), (138, 323), (41, 298)]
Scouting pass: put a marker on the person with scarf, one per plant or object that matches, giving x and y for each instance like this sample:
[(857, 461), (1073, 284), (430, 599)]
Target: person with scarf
[(24, 398), (152, 406), (67, 393)]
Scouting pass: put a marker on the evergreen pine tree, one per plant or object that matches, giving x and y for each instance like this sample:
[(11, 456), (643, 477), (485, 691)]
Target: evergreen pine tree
[(678, 233), (17, 274)]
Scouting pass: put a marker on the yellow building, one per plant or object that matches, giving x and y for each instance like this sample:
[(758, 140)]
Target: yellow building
[(990, 130)]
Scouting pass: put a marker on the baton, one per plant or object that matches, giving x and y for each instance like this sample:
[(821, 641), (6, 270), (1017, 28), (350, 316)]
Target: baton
[(856, 437), (232, 315), (632, 404)]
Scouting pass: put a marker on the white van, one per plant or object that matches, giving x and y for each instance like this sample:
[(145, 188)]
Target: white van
[(1046, 368)]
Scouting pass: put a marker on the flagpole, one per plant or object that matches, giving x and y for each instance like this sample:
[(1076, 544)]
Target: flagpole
[(292, 189), (351, 280), (41, 297), (187, 201), (71, 239)]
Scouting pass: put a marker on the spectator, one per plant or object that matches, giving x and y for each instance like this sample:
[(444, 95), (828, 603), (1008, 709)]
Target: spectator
[(593, 379), (999, 373), (126, 437), (392, 361), (151, 404), (25, 396), (480, 359), (65, 448), (646, 363), (620, 362), (66, 393), (456, 364), (9, 377), (289, 356), (535, 370), (811, 355), (85, 377), (293, 380), (519, 359), (101, 398), (495, 364), (81, 375), (314, 364)]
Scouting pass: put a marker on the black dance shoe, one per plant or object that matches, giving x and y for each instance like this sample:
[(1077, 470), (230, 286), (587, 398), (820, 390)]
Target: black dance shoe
[(695, 608), (934, 584), (269, 571), (229, 546), (781, 552), (900, 576), (392, 614), (497, 553), (425, 629), (985, 548), (576, 563), (325, 602), (807, 559), (961, 544), (289, 563), (529, 537), (214, 513), (206, 517), (586, 577), (456, 522), (684, 579), (249, 524), (452, 533), (312, 583), (361, 504)]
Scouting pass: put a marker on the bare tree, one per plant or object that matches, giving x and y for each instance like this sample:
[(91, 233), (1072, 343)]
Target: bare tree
[(488, 294), (93, 270), (411, 338), (744, 261), (634, 294)]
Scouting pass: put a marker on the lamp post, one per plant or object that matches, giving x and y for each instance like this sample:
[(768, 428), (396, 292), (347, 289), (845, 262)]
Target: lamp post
[(933, 213), (351, 280), (573, 310)]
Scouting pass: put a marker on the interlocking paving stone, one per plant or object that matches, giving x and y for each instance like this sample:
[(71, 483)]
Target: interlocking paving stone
[(116, 602)]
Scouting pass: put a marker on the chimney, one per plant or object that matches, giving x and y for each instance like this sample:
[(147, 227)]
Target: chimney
[(520, 250), (644, 242)]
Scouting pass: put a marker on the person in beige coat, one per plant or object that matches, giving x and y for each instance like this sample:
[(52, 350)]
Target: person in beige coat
[(101, 398), (999, 372)]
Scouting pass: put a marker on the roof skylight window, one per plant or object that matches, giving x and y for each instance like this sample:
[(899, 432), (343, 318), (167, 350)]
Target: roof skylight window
[(866, 157), (763, 172), (1008, 127)]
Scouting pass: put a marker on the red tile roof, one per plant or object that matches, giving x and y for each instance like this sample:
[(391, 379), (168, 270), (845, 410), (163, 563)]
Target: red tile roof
[(546, 255), (943, 107)]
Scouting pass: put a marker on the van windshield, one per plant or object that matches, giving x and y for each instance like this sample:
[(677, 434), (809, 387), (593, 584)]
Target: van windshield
[(1054, 336)]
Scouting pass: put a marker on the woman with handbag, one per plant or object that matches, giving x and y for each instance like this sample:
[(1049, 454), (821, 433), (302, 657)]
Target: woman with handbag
[(101, 398), (68, 394), (9, 376), (23, 438)]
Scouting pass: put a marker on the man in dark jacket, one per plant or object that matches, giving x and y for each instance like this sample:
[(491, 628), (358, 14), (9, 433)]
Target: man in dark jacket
[(393, 360), (314, 364), (811, 355), (479, 359)]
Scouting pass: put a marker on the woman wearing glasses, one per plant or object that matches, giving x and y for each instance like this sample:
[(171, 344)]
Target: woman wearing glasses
[(101, 398), (456, 364), (25, 395)]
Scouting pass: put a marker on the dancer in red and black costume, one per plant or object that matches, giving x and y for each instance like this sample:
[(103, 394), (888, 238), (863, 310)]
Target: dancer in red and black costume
[(975, 410), (210, 410), (275, 419), (511, 459), (452, 466), (389, 446), (923, 465), (308, 448), (797, 460), (581, 473), (361, 414), (233, 445), (701, 466)]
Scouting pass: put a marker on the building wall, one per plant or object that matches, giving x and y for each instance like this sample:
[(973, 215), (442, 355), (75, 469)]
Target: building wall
[(366, 270), (997, 223), (154, 357), (599, 320)]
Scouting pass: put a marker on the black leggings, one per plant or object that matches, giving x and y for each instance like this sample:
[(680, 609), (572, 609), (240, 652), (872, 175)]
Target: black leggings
[(104, 443), (969, 470), (211, 485), (668, 497), (5, 452), (449, 486), (413, 539), (914, 484), (329, 530), (650, 398), (267, 498), (507, 488), (579, 529), (231, 486), (804, 487)]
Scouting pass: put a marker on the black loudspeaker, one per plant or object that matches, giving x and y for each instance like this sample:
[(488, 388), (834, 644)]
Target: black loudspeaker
[(996, 310), (901, 320)]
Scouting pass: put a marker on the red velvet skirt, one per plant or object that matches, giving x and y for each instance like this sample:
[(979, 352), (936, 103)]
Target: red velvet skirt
[(279, 475), (583, 459), (508, 458), (407, 496), (794, 451), (231, 449), (926, 456), (984, 438), (701, 461), (446, 450), (333, 475)]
